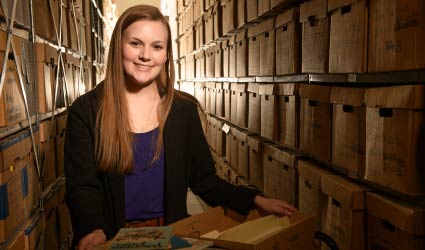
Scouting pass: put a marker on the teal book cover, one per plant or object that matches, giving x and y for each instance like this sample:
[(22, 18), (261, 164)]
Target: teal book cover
[(142, 238)]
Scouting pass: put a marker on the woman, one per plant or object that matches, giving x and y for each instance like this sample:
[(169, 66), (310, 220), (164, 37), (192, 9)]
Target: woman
[(134, 144)]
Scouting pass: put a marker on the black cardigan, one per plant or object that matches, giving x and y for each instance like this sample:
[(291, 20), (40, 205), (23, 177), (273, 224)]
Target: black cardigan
[(96, 199)]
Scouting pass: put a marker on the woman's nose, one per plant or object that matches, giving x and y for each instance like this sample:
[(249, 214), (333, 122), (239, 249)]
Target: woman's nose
[(144, 54)]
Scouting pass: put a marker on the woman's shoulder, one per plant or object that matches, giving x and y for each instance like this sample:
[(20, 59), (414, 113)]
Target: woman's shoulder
[(185, 101)]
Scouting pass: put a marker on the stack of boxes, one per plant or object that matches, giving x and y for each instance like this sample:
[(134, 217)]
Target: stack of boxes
[(363, 142), (62, 64)]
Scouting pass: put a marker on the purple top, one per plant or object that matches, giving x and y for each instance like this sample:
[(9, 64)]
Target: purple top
[(144, 188)]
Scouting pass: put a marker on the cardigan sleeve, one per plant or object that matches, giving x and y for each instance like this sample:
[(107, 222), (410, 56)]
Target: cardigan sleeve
[(203, 179), (84, 192)]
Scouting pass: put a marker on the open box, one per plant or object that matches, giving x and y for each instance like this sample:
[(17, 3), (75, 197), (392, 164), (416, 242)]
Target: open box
[(297, 236)]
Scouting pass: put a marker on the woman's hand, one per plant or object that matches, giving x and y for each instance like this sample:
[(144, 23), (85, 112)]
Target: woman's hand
[(274, 206), (97, 237)]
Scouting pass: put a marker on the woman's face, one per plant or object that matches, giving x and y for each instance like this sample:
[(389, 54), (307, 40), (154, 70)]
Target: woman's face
[(144, 50)]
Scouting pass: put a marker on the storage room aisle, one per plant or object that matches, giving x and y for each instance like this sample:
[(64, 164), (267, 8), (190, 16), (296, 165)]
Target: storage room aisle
[(319, 103)]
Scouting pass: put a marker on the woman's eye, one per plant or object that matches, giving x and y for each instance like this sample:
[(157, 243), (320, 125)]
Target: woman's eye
[(135, 43), (157, 47)]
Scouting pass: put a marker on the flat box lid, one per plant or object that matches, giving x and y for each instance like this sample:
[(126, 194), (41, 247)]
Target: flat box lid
[(348, 96), (315, 8), (403, 97)]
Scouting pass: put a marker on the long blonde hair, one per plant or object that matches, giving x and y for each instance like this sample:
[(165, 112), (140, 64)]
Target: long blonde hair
[(113, 139)]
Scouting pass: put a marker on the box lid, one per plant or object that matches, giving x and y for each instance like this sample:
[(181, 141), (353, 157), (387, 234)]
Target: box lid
[(199, 85), (348, 96), (315, 92), (335, 4), (238, 87), (311, 173), (347, 193), (315, 8), (287, 89), (410, 218), (242, 135), (224, 43), (404, 97), (226, 85), (219, 85), (210, 85), (288, 16), (231, 40), (252, 30), (265, 25), (279, 154), (253, 87), (266, 89), (241, 35)]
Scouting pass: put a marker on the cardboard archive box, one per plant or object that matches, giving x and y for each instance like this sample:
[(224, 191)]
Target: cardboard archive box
[(315, 121), (199, 34), (232, 56), (227, 128), (47, 152), (213, 96), (345, 212), (241, 42), (46, 62), (396, 35), (288, 38), (220, 168), (218, 60), (243, 152), (182, 64), (221, 138), (230, 16), (298, 235), (198, 9), (227, 100), (253, 51), (200, 93), (43, 24), (16, 242), (234, 144), (264, 8), (51, 201), (267, 47), (242, 13), (218, 18), (13, 207), (209, 87), (254, 107), (63, 216), (190, 67), (60, 143), (395, 141), (211, 133), (252, 11), (225, 48), (311, 198), (219, 99), (200, 64), (280, 174), (12, 106), (34, 231), (348, 36), (69, 77), (315, 36), (269, 111), (393, 224), (235, 88), (209, 62), (288, 114), (255, 144), (209, 25), (349, 129), (242, 104), (32, 189)]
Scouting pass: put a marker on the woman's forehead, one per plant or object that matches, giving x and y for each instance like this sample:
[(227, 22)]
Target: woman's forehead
[(147, 29)]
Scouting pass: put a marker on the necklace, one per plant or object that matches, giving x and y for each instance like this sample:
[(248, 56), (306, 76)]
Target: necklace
[(146, 122)]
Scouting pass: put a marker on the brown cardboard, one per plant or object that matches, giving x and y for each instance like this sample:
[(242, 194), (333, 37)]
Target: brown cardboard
[(232, 56), (200, 93), (267, 47), (15, 148), (50, 213), (218, 26), (288, 114), (394, 224), (64, 222), (209, 26), (14, 206), (241, 42), (299, 235), (348, 36), (269, 112), (252, 11), (280, 180), (12, 106), (34, 231), (242, 105), (234, 91), (229, 138), (227, 100), (242, 13), (349, 129), (254, 108), (43, 25), (210, 63), (255, 144), (230, 10), (234, 143), (221, 138), (253, 51), (219, 101), (394, 138), (288, 38), (29, 169), (226, 55), (210, 97), (59, 153), (263, 7), (397, 35), (315, 36), (200, 64), (315, 121), (199, 34), (17, 242), (345, 212), (218, 61), (243, 153), (311, 198)]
